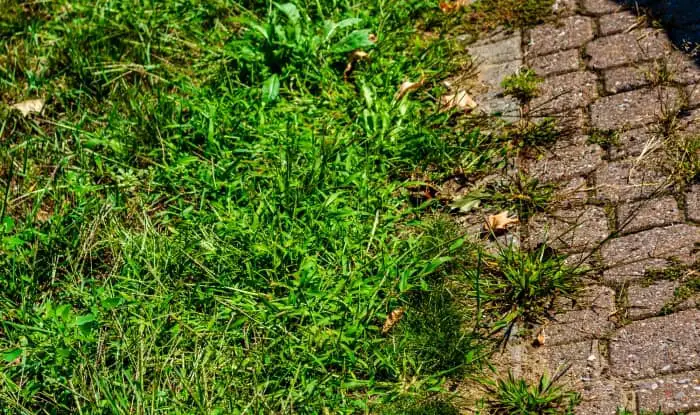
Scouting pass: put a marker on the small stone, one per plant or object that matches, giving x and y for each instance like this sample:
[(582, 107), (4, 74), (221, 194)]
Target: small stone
[(647, 214), (634, 108), (565, 92), (626, 48), (618, 22), (504, 50), (600, 6), (669, 340), (567, 33), (556, 63)]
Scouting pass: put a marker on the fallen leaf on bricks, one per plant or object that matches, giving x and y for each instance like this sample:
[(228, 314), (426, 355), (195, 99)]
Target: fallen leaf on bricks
[(392, 319)]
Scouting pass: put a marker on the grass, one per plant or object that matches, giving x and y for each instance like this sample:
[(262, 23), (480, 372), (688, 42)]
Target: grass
[(523, 85), (211, 215), (517, 397)]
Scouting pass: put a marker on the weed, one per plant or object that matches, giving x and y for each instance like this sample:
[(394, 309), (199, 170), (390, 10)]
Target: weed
[(606, 139), (523, 85), (535, 134), (516, 396)]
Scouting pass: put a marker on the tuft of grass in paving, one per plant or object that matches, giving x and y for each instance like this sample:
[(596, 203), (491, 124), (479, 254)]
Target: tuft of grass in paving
[(523, 85), (516, 396)]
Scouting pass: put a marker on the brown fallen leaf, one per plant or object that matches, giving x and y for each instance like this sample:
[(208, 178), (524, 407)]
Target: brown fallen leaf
[(372, 37), (499, 222), (451, 6), (540, 339), (352, 58), (460, 100), (407, 87), (392, 319), (29, 106)]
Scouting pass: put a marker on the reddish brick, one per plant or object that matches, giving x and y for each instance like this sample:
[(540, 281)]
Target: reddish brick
[(626, 48), (558, 62), (564, 92), (648, 213), (634, 108), (618, 22), (600, 6), (567, 33), (656, 346)]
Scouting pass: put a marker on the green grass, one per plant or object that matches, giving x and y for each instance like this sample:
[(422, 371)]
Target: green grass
[(209, 216), (523, 85), (517, 397)]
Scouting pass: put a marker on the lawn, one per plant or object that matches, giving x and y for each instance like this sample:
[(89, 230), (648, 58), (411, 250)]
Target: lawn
[(221, 202)]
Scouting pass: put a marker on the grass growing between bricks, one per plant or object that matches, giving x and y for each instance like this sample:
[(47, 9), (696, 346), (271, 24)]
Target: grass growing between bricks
[(212, 212)]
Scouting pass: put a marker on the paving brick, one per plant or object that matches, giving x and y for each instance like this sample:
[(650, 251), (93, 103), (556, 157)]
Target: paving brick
[(496, 35), (625, 48), (618, 22), (677, 393), (628, 272), (504, 50), (586, 318), (647, 301), (627, 180), (633, 108), (600, 6), (564, 92), (565, 161), (491, 75), (648, 213), (692, 93), (689, 122), (571, 230), (656, 346), (556, 63), (692, 202), (584, 358), (632, 143), (625, 78), (567, 33), (683, 69), (676, 241), (602, 397), (572, 193)]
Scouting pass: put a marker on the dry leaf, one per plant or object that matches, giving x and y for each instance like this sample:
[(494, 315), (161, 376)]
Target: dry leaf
[(392, 319), (451, 6), (407, 87), (461, 100), (352, 58), (540, 339), (372, 37), (500, 221), (29, 106)]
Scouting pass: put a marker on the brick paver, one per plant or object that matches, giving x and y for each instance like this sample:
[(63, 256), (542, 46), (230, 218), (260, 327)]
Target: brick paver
[(632, 337)]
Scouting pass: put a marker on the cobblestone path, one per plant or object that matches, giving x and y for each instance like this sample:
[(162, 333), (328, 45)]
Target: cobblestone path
[(632, 340)]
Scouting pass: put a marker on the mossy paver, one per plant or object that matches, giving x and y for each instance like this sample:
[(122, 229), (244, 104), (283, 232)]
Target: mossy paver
[(625, 92)]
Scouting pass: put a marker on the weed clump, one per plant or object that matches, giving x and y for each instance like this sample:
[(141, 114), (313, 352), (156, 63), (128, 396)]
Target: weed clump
[(523, 85)]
